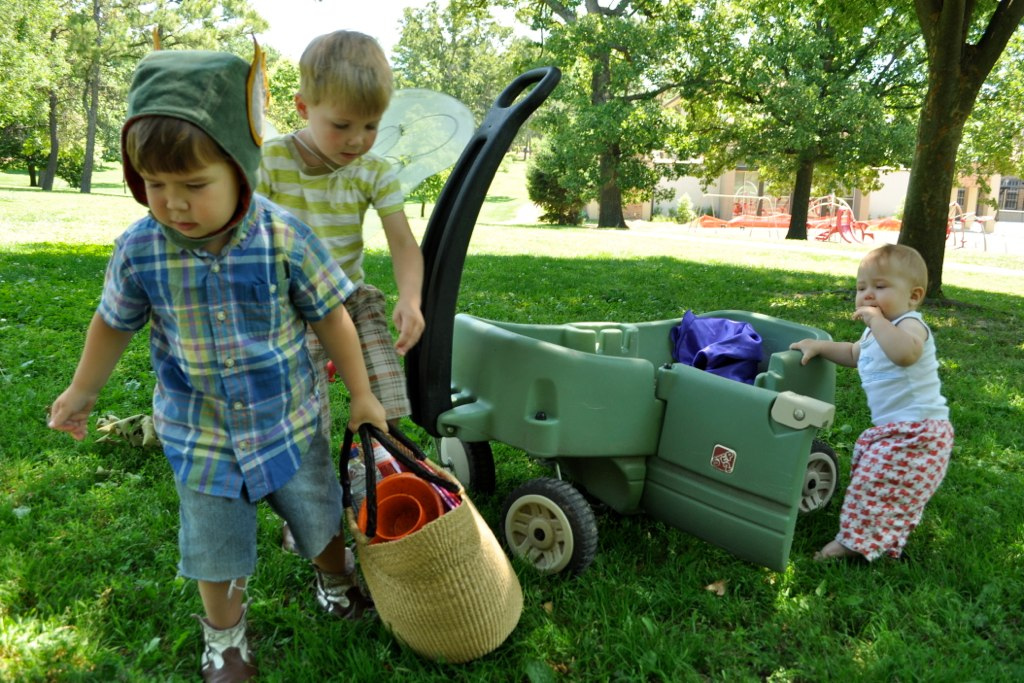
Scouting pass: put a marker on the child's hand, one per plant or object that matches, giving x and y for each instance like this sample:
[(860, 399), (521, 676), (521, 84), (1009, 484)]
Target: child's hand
[(808, 347), (409, 323), (70, 413), (866, 314), (367, 409)]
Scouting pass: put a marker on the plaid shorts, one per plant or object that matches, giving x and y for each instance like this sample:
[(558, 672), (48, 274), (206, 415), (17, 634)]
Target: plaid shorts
[(368, 310)]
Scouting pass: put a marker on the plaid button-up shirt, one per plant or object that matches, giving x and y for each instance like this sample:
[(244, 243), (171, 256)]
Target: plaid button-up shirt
[(235, 403)]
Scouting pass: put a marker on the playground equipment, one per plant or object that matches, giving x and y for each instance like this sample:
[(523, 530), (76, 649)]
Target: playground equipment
[(749, 210), (605, 406), (960, 224), (830, 214), (833, 216), (748, 201)]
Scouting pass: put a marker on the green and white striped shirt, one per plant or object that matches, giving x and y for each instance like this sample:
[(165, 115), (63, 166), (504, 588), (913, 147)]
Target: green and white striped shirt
[(333, 203)]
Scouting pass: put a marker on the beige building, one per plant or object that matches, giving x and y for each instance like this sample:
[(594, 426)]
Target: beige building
[(742, 187)]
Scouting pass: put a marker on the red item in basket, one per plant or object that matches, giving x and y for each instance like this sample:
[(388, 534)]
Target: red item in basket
[(386, 463)]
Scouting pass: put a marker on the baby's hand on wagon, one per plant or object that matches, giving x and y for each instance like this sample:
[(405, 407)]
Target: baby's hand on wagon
[(808, 347)]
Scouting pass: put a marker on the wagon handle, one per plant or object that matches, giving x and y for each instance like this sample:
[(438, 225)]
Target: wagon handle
[(428, 366)]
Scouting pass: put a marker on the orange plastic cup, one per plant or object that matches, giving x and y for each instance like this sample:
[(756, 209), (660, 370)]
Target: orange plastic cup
[(404, 504), (399, 515)]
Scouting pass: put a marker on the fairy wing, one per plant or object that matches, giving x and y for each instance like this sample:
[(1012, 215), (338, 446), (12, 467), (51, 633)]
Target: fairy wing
[(422, 133), (270, 131)]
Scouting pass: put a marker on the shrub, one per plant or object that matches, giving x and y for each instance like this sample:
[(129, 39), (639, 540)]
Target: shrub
[(684, 212), (70, 163), (429, 190), (544, 174)]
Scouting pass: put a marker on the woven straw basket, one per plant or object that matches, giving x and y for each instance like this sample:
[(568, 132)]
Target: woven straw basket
[(447, 590)]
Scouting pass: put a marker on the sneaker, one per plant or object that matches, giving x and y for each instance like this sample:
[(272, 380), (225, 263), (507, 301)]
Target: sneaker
[(341, 596), (226, 657)]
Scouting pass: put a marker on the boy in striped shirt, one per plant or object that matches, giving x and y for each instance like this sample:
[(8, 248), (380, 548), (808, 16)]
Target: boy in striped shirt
[(324, 175)]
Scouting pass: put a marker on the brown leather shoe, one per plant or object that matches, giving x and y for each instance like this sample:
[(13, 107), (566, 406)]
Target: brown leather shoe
[(226, 653), (233, 668), (341, 596)]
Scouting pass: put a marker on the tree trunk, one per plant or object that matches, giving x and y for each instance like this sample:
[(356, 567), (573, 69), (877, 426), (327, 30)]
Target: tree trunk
[(610, 197), (930, 186), (801, 200), (91, 113), (85, 187), (956, 71), (947, 104), (46, 181)]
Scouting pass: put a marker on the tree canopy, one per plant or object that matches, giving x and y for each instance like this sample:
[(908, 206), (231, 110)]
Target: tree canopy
[(460, 50), (814, 98), (68, 64), (994, 134), (31, 57), (815, 95), (607, 117)]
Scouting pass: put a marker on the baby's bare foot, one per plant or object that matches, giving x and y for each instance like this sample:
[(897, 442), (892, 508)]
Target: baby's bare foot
[(834, 551)]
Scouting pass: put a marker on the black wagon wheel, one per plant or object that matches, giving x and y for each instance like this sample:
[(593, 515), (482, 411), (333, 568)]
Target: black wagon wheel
[(821, 478), (471, 462), (550, 525)]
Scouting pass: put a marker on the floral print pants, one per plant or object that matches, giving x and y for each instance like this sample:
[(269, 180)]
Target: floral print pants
[(895, 470)]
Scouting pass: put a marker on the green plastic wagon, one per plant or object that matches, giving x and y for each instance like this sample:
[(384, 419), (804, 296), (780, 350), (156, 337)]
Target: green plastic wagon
[(604, 405)]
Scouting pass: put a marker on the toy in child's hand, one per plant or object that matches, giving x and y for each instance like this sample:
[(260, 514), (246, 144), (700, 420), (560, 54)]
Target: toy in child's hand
[(331, 371), (138, 430)]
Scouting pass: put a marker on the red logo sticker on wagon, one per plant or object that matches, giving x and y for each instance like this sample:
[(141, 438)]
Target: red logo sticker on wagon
[(723, 459)]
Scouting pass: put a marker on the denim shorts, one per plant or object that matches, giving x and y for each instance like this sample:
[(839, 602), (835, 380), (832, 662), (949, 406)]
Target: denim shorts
[(217, 536)]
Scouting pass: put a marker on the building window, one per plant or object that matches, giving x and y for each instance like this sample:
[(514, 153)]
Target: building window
[(1010, 195), (961, 196)]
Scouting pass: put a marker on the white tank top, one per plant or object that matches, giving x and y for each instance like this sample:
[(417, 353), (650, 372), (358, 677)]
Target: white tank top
[(898, 394)]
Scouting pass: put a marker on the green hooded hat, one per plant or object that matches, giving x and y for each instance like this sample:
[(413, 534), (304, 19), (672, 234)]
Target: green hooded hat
[(216, 91)]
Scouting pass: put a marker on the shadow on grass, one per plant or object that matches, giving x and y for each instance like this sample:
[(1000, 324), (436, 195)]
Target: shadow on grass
[(111, 186), (105, 189), (50, 263), (540, 226), (16, 188)]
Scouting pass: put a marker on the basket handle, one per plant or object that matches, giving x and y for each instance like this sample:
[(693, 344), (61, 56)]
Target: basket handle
[(399, 446)]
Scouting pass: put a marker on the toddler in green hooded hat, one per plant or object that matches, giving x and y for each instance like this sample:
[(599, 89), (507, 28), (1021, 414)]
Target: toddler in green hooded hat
[(228, 283)]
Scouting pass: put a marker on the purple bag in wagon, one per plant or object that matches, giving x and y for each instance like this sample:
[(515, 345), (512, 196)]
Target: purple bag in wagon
[(720, 346)]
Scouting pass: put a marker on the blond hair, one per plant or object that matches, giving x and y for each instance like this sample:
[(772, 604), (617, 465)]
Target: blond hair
[(164, 144), (346, 67), (901, 259)]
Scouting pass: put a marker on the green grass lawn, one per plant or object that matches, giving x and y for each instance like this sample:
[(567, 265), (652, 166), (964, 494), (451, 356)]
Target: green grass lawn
[(88, 531)]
